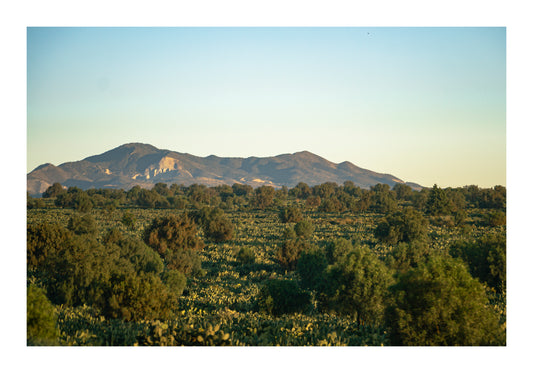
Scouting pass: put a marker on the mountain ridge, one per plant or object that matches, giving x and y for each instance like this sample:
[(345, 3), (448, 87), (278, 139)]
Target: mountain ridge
[(143, 164)]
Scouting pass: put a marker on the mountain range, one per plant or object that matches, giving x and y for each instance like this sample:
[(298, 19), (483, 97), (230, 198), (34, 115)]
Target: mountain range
[(145, 165)]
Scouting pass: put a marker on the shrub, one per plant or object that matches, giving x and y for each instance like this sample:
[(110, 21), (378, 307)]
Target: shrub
[(44, 240), (382, 199), (79, 271), (141, 256), (40, 318), (331, 204), (304, 228), (263, 197), (54, 190), (289, 234), (215, 224), (34, 203), (277, 297), (336, 249), (407, 255), (301, 191), (245, 255), (135, 298), (311, 267), (219, 228), (290, 215), (175, 281), (175, 238), (313, 201), (485, 258), (403, 226), (495, 219), (74, 198), (129, 220), (82, 224), (290, 251)]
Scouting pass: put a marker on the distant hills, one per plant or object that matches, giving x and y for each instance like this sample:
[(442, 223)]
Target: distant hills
[(145, 165)]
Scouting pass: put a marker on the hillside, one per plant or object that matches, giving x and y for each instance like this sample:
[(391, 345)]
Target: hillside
[(144, 165)]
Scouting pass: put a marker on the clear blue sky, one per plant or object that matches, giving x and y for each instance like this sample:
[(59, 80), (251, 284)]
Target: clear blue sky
[(427, 105)]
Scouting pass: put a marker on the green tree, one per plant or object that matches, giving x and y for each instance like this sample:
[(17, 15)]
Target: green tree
[(331, 204), (224, 191), (242, 190), (495, 218), (301, 191), (82, 224), (176, 239), (304, 228), (290, 251), (143, 258), (177, 202), (74, 198), (161, 189), (129, 220), (351, 189), (133, 194), (119, 277), (54, 190), (407, 255), (438, 303), (139, 297), (44, 240), (151, 199), (175, 281), (382, 199), (363, 203), (406, 225), (41, 319), (83, 202), (79, 272), (335, 250), (485, 257), (198, 193), (263, 197), (32, 203), (325, 190), (358, 285), (290, 215), (311, 268), (313, 201), (403, 191), (419, 199), (219, 228), (438, 202), (216, 225)]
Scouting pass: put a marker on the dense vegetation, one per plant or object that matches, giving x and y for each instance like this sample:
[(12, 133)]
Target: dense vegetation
[(232, 265)]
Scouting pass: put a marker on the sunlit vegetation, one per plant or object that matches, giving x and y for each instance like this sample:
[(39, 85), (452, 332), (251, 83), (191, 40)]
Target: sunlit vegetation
[(327, 265)]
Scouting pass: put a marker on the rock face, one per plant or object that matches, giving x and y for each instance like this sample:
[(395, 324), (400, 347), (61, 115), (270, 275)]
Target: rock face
[(145, 165)]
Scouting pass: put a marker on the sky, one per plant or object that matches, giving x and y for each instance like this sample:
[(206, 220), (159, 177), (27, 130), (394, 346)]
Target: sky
[(426, 104)]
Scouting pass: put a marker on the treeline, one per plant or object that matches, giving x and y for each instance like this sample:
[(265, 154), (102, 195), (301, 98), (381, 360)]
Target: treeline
[(326, 197)]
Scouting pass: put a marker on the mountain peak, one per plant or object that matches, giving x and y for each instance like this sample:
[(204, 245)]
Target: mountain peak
[(136, 146), (43, 166)]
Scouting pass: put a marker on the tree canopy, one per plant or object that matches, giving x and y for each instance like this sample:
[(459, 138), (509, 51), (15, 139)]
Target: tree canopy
[(438, 303)]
